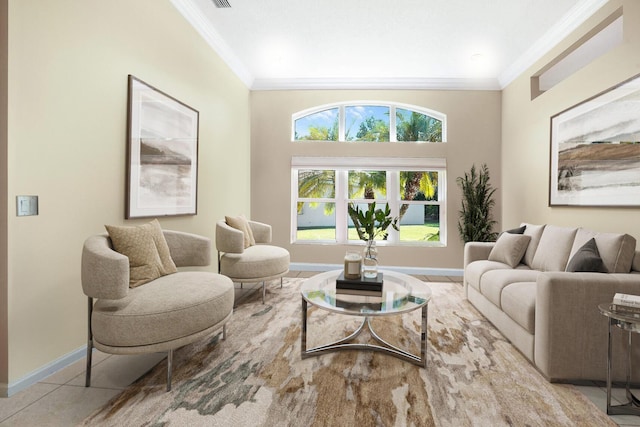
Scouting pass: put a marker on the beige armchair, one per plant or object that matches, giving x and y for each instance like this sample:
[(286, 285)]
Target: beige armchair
[(161, 315), (257, 263)]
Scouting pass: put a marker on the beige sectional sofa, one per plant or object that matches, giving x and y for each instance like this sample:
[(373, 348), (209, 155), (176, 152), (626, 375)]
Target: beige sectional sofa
[(519, 283)]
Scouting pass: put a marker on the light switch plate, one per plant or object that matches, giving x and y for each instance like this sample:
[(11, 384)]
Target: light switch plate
[(26, 205)]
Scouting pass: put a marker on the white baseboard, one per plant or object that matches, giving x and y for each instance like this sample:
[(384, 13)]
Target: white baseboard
[(301, 266), (38, 375)]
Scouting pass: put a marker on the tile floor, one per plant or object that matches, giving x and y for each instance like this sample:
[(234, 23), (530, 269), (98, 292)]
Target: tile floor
[(62, 400)]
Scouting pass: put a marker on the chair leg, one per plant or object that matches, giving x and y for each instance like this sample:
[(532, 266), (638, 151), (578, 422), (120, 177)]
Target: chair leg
[(87, 379), (263, 290), (224, 331), (169, 368), (281, 283)]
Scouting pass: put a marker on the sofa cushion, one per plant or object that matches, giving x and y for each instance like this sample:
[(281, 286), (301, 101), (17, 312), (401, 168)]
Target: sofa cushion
[(494, 282), (554, 248), (616, 250), (535, 231), (256, 262), (587, 259), (518, 301), (476, 269), (509, 249), (168, 308)]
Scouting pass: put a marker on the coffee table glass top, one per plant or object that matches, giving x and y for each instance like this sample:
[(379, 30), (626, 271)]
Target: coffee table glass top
[(400, 293)]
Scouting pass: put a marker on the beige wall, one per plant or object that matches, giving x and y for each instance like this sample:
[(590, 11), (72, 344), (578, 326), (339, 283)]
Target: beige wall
[(68, 67), (526, 131), (473, 137)]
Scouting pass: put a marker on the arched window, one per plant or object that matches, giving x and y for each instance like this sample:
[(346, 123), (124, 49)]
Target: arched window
[(369, 121), (325, 190)]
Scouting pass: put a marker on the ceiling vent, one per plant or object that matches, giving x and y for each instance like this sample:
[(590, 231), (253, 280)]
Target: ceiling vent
[(221, 3)]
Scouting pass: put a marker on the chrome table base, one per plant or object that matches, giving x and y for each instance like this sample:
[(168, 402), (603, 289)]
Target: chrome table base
[(632, 407), (385, 347)]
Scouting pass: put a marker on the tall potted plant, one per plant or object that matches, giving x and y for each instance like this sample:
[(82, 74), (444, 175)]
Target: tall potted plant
[(369, 225), (476, 222)]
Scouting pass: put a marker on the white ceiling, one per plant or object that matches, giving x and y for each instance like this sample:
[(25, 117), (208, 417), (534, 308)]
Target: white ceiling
[(448, 44)]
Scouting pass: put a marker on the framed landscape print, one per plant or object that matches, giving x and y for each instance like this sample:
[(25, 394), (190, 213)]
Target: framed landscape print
[(162, 154), (595, 150)]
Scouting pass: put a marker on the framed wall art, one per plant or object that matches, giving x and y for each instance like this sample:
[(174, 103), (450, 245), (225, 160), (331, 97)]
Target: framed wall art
[(162, 154), (595, 150)]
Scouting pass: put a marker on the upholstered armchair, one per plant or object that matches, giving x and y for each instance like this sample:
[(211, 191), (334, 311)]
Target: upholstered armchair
[(161, 315), (245, 255)]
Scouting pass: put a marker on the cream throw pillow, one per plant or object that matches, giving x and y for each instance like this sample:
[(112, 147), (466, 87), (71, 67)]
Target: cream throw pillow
[(241, 223), (147, 250), (509, 249), (167, 266)]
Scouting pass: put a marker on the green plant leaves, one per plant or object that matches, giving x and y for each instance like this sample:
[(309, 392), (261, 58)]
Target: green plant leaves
[(372, 222), (476, 223)]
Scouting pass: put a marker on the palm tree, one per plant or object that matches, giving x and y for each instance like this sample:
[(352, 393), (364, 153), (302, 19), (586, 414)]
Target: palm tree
[(419, 127), (415, 183), (317, 184), (372, 129), (364, 184)]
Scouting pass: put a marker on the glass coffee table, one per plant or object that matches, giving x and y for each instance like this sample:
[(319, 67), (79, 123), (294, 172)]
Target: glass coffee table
[(401, 294)]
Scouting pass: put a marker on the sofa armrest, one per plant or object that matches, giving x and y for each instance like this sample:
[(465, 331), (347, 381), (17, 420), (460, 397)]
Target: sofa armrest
[(261, 232), (188, 250), (229, 239), (570, 333), (104, 272), (475, 251)]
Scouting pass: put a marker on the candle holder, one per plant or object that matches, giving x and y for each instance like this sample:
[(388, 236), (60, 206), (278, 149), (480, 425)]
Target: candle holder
[(352, 265)]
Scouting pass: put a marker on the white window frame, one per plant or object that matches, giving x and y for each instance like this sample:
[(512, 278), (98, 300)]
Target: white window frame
[(393, 166), (392, 119)]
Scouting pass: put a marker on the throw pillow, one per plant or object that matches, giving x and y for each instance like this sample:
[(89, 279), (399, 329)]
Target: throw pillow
[(241, 223), (140, 244), (519, 230), (509, 249), (167, 266), (587, 259)]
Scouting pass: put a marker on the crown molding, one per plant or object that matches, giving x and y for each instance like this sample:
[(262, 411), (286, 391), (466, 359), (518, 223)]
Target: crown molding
[(570, 22), (574, 18), (375, 83), (202, 25)]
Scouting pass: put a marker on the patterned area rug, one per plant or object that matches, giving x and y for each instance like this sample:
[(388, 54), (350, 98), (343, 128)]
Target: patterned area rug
[(256, 377)]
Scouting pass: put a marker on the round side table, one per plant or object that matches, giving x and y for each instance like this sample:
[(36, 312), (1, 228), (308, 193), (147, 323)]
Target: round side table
[(629, 322)]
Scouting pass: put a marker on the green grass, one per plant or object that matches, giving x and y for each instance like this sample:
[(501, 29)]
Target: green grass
[(408, 233)]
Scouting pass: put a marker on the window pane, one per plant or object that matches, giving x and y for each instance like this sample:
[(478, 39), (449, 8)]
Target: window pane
[(419, 223), (316, 221), (416, 185), (367, 184), (317, 184), (367, 123), (320, 126), (413, 126)]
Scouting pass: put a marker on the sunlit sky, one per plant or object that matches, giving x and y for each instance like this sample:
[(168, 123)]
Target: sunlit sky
[(354, 116)]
